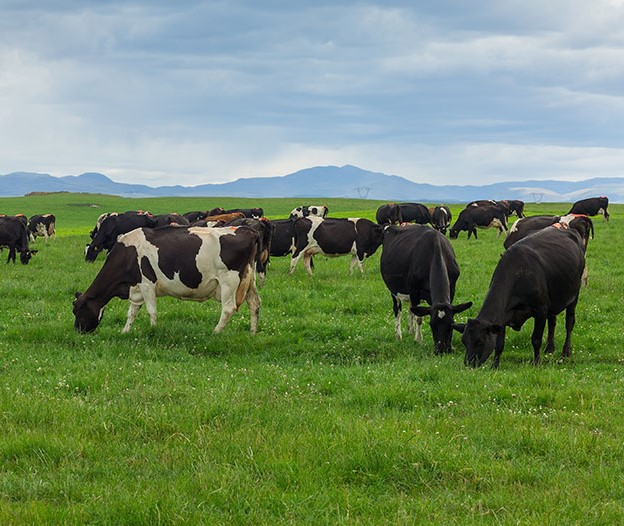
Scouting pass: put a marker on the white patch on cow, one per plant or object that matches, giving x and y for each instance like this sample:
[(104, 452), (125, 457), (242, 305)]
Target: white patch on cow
[(496, 223), (565, 220), (514, 227), (441, 314)]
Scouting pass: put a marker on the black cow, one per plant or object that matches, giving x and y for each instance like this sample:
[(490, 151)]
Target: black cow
[(415, 213), (515, 206), (538, 277), (591, 206), (511, 206), (335, 237), (418, 264), (200, 215), (187, 263), (309, 210), (283, 242), (389, 214), (170, 219), (112, 227), (479, 216), (255, 213), (441, 218), (13, 235), (525, 226), (43, 225), (264, 229)]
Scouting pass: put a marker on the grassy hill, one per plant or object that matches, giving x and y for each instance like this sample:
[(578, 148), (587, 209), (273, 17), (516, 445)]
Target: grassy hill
[(321, 418)]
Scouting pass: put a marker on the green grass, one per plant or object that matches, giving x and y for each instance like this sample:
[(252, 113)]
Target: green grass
[(321, 418)]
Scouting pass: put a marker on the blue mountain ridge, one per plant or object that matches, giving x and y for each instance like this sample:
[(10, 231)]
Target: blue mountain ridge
[(323, 181)]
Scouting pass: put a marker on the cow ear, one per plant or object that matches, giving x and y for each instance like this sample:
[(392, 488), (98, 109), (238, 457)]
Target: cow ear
[(421, 311), (461, 307), (459, 327), (77, 295)]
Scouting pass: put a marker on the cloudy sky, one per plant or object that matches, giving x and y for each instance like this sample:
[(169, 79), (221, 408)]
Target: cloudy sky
[(191, 92)]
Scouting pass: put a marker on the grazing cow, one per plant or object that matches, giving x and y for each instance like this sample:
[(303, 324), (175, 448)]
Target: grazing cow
[(441, 218), (527, 225), (511, 206), (389, 214), (112, 227), (415, 213), (13, 235), (418, 264), (538, 277), (255, 213), (591, 206), (188, 263), (335, 237), (43, 225), (200, 215), (479, 216), (309, 210), (264, 229)]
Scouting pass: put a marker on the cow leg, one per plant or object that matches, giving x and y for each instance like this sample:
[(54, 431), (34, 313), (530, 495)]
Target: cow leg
[(11, 255), (396, 307), (474, 231), (133, 310), (228, 302), (307, 258), (253, 301), (550, 339), (498, 349), (418, 337), (537, 336), (570, 321)]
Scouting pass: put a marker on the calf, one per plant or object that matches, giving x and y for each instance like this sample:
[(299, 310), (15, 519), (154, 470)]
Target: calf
[(418, 264), (538, 277), (335, 237), (43, 225), (13, 235), (441, 218), (479, 216), (591, 207), (188, 263), (415, 213), (389, 214), (309, 210)]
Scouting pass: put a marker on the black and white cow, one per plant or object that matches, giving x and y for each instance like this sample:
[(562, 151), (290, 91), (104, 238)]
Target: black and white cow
[(538, 277), (389, 214), (479, 216), (255, 213), (515, 206), (14, 236), (527, 225), (511, 206), (188, 263), (415, 213), (591, 207), (441, 218), (112, 227), (335, 237), (418, 264), (43, 225), (309, 210)]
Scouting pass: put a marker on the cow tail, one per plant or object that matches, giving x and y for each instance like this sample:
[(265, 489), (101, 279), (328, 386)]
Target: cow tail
[(248, 276)]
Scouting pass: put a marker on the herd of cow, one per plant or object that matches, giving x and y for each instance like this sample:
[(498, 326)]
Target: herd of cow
[(218, 253)]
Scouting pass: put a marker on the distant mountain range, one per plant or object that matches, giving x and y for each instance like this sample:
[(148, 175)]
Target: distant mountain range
[(323, 181)]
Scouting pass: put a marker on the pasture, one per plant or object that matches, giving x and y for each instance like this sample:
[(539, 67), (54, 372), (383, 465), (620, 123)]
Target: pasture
[(321, 418)]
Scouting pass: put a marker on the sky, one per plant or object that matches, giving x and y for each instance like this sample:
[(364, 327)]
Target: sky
[(192, 92)]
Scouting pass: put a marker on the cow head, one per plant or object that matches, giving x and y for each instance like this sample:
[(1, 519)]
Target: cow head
[(25, 256), (454, 232), (479, 338), (87, 312), (441, 323), (91, 252)]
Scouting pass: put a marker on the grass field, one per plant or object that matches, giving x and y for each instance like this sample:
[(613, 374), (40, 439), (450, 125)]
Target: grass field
[(321, 418)]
